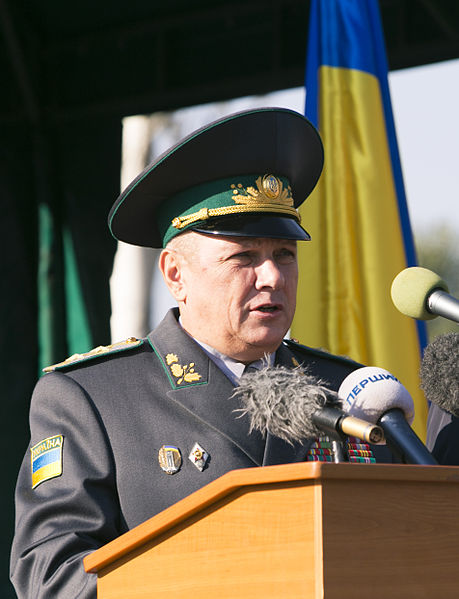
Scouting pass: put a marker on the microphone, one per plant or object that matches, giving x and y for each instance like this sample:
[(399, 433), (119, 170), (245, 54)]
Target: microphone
[(378, 396), (439, 372), (294, 406), (420, 293)]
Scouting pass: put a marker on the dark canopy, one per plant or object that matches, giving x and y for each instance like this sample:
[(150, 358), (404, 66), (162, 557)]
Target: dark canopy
[(90, 59)]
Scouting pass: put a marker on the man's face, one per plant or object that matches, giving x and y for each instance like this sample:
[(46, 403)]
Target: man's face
[(239, 293)]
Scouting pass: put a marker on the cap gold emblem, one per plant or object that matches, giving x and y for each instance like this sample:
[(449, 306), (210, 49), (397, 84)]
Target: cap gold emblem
[(271, 186), (270, 195), (169, 459)]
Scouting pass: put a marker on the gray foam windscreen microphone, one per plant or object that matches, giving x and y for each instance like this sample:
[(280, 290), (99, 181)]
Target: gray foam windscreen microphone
[(440, 372), (283, 401)]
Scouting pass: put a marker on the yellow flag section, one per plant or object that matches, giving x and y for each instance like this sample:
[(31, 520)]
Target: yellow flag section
[(358, 245)]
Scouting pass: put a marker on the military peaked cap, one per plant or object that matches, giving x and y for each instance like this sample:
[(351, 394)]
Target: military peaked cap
[(245, 174)]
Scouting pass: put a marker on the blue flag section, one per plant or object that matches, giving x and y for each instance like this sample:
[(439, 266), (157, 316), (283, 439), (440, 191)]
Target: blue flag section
[(357, 216)]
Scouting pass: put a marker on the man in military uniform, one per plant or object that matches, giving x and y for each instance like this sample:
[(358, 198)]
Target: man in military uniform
[(123, 432)]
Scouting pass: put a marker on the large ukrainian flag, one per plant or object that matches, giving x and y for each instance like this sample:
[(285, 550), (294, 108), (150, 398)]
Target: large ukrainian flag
[(358, 219)]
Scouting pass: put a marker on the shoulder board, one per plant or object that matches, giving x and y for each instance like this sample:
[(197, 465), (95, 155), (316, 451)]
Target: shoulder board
[(320, 353), (97, 352)]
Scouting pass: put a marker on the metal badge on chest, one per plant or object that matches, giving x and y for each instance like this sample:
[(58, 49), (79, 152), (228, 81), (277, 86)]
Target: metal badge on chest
[(170, 458)]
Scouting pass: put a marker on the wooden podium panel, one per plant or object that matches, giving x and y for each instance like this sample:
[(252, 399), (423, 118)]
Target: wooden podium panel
[(299, 530)]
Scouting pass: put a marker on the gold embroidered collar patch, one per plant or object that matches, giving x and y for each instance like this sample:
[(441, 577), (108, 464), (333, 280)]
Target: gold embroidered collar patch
[(183, 373)]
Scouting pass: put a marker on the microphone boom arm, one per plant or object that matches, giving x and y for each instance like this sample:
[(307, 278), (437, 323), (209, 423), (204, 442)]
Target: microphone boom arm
[(442, 304), (402, 439)]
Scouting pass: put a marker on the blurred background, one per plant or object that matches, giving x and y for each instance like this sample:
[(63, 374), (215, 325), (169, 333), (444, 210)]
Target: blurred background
[(74, 79)]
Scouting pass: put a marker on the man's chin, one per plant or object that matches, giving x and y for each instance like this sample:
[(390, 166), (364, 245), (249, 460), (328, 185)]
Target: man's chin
[(268, 342)]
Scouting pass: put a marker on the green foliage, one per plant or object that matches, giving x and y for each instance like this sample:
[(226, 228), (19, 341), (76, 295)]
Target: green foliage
[(437, 249)]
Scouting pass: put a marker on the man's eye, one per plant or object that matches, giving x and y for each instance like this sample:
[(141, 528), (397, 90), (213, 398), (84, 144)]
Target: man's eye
[(285, 256), (242, 258)]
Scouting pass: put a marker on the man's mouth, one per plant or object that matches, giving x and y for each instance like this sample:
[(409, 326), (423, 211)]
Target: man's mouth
[(267, 308)]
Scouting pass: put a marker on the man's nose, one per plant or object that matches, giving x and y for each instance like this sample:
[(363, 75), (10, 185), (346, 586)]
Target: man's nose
[(268, 274)]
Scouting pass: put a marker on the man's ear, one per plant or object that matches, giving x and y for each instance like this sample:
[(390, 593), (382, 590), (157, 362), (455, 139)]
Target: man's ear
[(171, 265)]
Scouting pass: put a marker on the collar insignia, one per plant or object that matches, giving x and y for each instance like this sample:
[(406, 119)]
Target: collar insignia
[(183, 373), (295, 362)]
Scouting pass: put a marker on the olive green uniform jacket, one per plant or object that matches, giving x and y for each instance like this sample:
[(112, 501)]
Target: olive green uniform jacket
[(114, 413)]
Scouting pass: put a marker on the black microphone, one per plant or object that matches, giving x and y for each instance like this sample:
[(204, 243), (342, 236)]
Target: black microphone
[(295, 406), (420, 293), (378, 396)]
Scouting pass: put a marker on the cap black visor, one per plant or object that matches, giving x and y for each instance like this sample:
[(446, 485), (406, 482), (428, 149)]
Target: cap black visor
[(270, 225)]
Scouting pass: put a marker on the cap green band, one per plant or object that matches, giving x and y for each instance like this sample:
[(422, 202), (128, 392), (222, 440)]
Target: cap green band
[(250, 194)]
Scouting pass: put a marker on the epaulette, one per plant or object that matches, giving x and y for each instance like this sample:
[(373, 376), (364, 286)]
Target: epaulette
[(97, 352), (294, 345)]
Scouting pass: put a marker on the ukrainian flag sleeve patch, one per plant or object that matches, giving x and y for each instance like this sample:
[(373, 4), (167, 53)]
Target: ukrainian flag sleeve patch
[(46, 459)]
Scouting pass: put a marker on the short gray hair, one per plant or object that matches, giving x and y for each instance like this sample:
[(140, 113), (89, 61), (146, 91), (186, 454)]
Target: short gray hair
[(184, 244)]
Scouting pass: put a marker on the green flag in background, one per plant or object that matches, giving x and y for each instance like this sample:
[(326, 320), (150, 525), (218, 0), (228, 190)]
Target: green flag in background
[(62, 320)]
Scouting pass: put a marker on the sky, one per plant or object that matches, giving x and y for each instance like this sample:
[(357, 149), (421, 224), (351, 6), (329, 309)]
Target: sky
[(425, 102)]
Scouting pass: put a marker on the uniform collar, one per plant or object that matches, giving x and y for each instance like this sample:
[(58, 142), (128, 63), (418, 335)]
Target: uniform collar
[(230, 367)]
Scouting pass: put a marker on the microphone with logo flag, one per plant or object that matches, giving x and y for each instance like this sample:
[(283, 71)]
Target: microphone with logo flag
[(378, 396)]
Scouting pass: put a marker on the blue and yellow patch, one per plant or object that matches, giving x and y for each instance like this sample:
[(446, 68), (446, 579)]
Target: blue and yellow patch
[(46, 459)]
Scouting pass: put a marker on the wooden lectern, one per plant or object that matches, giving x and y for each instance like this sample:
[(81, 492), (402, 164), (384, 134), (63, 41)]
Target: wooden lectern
[(307, 530)]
